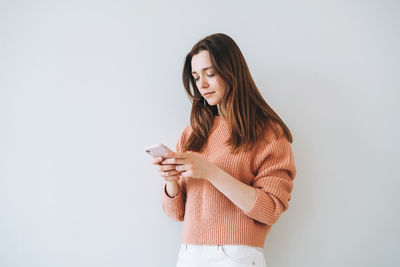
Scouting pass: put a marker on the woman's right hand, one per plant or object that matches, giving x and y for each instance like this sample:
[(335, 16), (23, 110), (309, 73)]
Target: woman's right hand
[(167, 171)]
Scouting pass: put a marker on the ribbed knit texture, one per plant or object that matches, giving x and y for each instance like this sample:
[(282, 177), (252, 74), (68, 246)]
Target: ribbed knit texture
[(209, 216)]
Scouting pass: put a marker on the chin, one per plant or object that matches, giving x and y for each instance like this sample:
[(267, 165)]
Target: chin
[(212, 102)]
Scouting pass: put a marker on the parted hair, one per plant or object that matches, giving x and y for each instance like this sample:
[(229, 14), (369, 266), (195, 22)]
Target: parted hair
[(247, 113)]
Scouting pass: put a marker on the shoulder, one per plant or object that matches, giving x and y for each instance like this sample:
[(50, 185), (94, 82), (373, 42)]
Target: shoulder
[(273, 145), (272, 131), (187, 130), (185, 133)]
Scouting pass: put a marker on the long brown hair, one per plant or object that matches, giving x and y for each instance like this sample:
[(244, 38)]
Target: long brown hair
[(246, 111)]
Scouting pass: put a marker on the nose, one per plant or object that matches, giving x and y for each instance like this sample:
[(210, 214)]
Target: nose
[(203, 83)]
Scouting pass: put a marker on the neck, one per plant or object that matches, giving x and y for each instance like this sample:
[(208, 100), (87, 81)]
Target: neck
[(220, 113)]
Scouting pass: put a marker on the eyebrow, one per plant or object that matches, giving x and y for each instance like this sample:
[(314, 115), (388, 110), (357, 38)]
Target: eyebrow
[(206, 68)]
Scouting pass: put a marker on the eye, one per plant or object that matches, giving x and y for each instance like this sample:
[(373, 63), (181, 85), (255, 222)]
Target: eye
[(208, 75)]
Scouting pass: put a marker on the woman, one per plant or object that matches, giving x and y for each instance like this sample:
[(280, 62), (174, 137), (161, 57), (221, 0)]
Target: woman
[(232, 175)]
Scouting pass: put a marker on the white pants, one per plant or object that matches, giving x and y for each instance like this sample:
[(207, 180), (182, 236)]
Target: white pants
[(220, 255)]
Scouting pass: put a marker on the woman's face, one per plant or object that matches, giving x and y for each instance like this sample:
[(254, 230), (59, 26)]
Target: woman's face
[(207, 80)]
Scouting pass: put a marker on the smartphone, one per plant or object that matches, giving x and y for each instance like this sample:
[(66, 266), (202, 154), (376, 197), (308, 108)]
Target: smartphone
[(158, 150)]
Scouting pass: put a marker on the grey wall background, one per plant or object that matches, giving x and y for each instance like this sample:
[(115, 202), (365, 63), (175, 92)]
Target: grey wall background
[(86, 85)]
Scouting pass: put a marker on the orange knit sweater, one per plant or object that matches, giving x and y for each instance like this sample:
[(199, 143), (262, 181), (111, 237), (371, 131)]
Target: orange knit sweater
[(208, 216)]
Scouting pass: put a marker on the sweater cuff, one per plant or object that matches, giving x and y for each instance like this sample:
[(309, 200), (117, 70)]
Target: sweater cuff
[(262, 206), (173, 206), (166, 194)]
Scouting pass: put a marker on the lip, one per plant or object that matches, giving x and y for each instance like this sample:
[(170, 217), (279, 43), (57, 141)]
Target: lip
[(207, 94)]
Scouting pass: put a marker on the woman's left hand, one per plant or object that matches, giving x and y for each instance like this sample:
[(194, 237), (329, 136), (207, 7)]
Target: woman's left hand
[(191, 165)]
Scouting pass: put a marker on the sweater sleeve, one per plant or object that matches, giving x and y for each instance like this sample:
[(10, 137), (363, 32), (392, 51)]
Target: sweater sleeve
[(273, 181), (175, 207)]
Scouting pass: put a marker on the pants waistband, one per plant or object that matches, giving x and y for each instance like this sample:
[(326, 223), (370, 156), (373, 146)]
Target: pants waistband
[(217, 246)]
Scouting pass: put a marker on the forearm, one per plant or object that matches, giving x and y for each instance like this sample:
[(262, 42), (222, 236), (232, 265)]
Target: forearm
[(241, 194)]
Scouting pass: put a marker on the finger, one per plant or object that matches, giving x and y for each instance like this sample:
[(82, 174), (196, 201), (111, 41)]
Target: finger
[(181, 168), (169, 173), (173, 161), (188, 173), (157, 160), (169, 155), (166, 167)]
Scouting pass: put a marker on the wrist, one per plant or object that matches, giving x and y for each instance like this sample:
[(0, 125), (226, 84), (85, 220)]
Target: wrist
[(215, 175), (171, 188)]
